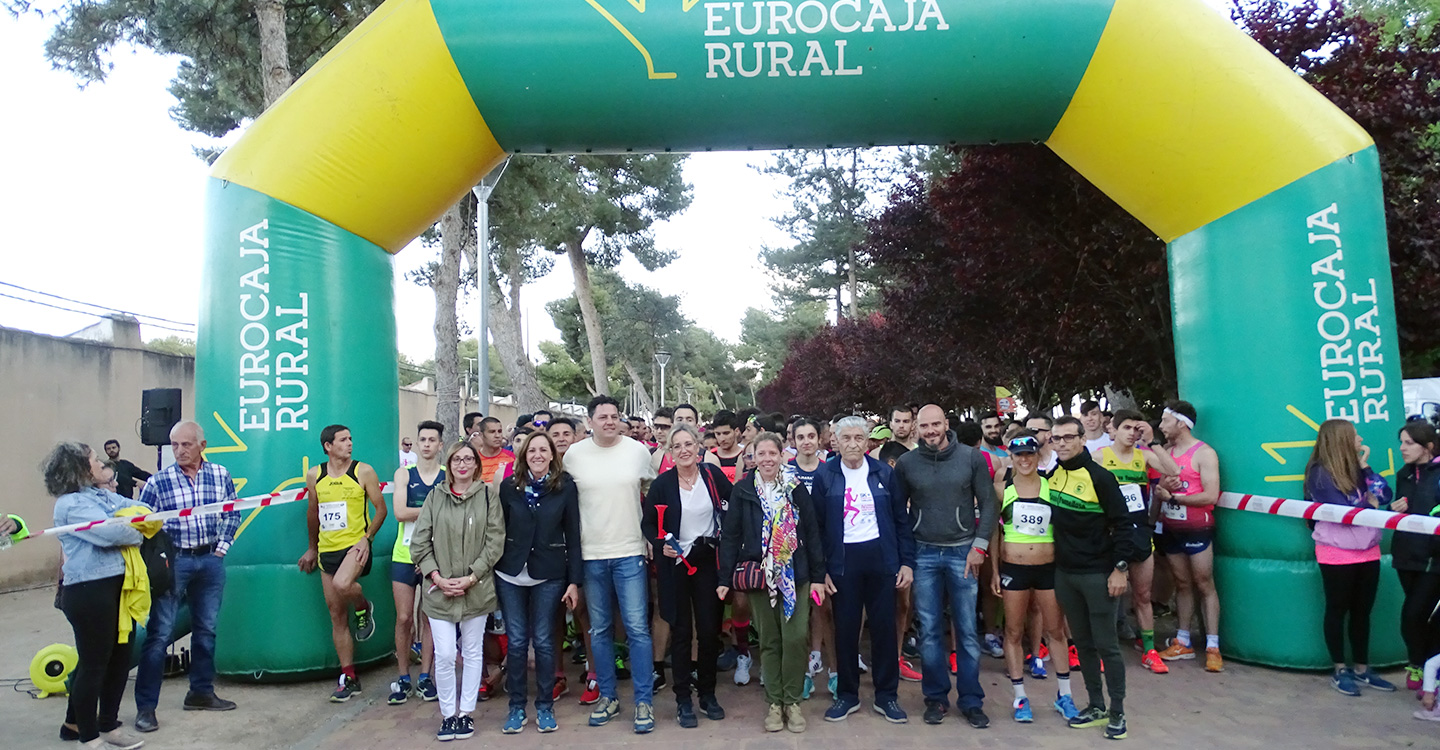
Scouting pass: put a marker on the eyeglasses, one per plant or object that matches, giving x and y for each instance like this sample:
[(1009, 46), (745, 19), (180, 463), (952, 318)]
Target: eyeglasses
[(462, 460), (1063, 438)]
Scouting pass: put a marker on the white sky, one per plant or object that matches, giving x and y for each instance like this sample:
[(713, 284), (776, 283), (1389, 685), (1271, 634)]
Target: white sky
[(102, 201)]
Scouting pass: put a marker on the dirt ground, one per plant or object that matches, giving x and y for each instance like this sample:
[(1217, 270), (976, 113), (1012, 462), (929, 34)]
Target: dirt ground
[(1245, 707)]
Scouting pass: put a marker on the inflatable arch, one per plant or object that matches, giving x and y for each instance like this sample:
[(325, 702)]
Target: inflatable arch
[(1268, 196)]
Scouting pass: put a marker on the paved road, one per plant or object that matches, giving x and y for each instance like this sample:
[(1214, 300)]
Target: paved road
[(1243, 708)]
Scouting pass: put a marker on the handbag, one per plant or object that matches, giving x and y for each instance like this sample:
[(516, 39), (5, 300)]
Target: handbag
[(749, 576)]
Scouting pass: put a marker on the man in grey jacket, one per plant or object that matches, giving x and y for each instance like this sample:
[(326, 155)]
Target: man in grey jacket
[(948, 486)]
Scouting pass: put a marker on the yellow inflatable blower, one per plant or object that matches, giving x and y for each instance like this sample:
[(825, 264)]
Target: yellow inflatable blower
[(51, 668)]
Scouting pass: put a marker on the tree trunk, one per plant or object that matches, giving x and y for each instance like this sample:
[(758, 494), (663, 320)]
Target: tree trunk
[(274, 49), (505, 328), (457, 237), (645, 404), (591, 317), (854, 292)]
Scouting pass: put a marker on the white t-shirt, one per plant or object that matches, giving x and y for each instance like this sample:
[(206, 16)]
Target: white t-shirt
[(1050, 463), (1095, 445), (697, 515), (860, 522), (408, 459), (609, 483), (524, 579)]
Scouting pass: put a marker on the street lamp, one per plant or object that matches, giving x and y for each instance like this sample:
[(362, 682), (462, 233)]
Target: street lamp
[(482, 279), (689, 394), (662, 358)]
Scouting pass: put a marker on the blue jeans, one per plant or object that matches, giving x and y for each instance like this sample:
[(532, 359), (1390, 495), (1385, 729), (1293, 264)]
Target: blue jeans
[(623, 579), (199, 580), (940, 571), (530, 618)]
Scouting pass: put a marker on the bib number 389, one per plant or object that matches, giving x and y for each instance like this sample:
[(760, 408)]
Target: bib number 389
[(1031, 519)]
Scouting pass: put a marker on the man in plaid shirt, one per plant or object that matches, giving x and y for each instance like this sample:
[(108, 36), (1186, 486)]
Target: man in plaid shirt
[(201, 543)]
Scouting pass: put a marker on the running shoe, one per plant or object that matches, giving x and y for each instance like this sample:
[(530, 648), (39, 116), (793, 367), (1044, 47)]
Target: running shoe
[(1152, 661), (1022, 711), (1343, 680), (545, 720), (864, 668), (807, 688), (1414, 677), (954, 663), (1066, 706), (1074, 658), (892, 711), (365, 622), (447, 729), (1037, 668), (427, 691), (657, 677), (711, 708), (562, 686), (817, 665), (685, 716), (727, 659), (464, 727), (400, 691), (347, 687), (644, 718), (994, 646), (1092, 716), (911, 648), (622, 670), (515, 722), (1213, 663), (1116, 729), (605, 710), (1369, 679), (1044, 652), (1428, 714), (908, 672), (833, 684), (416, 653), (934, 712), (1174, 651), (841, 709), (742, 669), (486, 691), (591, 696)]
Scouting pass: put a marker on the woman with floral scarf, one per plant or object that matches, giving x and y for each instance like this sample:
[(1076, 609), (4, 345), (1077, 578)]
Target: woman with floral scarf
[(771, 548)]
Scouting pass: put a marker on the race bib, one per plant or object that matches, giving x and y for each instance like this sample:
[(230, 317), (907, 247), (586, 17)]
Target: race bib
[(409, 532), (334, 516), (1174, 511), (1134, 499), (1031, 519)]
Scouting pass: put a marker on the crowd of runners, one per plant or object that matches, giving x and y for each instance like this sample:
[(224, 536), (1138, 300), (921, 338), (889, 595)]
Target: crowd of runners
[(669, 551)]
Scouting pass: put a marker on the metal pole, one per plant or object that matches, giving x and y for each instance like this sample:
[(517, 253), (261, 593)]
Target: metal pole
[(482, 273)]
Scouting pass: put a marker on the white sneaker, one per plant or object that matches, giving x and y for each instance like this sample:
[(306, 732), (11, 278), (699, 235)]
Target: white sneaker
[(816, 666), (863, 666), (742, 669)]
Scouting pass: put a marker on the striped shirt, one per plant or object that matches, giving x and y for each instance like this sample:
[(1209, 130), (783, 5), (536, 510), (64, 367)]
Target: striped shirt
[(170, 489)]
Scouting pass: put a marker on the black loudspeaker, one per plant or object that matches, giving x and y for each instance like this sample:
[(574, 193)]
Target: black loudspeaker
[(159, 411)]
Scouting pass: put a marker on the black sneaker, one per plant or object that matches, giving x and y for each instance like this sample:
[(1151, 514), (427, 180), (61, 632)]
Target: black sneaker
[(464, 727), (1116, 730), (934, 712), (1092, 716), (911, 649), (365, 622), (976, 717), (659, 675), (841, 709), (400, 691), (727, 659), (348, 686), (622, 669), (447, 730), (711, 708), (685, 716), (207, 702)]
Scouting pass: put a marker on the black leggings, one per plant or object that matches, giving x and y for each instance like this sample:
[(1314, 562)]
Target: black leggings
[(103, 665), (1349, 590), (1422, 591), (697, 622)]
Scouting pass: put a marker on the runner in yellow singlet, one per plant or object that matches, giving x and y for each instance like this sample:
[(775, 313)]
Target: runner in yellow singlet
[(342, 494), (1131, 461)]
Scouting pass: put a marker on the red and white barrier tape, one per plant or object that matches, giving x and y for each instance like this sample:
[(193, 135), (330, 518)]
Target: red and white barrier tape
[(244, 503), (1351, 516)]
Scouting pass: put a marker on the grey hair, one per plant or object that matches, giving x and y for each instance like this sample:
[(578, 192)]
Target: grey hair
[(67, 469), (199, 431), (684, 427), (849, 422)]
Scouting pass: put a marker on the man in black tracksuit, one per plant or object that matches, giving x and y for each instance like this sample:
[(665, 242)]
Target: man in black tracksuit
[(1095, 541)]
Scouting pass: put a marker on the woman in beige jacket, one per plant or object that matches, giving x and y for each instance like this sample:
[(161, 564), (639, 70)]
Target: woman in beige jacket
[(457, 541)]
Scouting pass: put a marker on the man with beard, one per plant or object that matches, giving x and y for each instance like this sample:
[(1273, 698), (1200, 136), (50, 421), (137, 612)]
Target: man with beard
[(947, 485), (993, 429)]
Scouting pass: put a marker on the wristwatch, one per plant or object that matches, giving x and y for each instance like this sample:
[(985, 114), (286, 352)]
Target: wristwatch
[(1122, 566)]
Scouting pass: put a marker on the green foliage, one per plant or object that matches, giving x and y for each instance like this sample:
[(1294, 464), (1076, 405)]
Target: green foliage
[(218, 84), (177, 345), (637, 321), (562, 378), (468, 350), (767, 338)]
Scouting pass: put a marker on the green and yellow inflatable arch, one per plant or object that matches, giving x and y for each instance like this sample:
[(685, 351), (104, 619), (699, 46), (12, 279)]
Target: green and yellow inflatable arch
[(1269, 197)]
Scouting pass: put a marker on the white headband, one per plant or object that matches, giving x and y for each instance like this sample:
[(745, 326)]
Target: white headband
[(1181, 418)]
